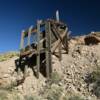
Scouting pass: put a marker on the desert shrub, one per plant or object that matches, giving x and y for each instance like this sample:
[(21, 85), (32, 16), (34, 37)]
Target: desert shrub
[(15, 97), (8, 55), (94, 78), (31, 97), (55, 78), (54, 93), (96, 91), (75, 98), (9, 90), (9, 87), (3, 95)]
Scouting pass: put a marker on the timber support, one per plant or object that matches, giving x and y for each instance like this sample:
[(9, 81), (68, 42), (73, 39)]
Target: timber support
[(51, 38)]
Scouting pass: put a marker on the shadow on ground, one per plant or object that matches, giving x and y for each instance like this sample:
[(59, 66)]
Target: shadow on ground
[(31, 62)]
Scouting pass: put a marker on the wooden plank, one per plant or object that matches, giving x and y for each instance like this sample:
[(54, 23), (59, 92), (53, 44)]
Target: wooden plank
[(50, 54), (57, 16), (42, 40), (52, 21), (48, 50), (38, 48), (29, 35), (60, 48), (42, 22), (34, 29), (66, 40), (60, 45), (22, 40), (56, 44), (58, 34)]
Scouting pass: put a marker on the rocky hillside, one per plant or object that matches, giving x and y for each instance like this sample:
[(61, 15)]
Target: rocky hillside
[(76, 77)]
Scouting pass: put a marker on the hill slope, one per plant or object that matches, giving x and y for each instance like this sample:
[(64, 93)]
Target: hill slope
[(74, 78)]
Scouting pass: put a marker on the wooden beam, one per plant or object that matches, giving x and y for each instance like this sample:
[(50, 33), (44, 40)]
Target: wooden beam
[(22, 40), (29, 35), (52, 21), (38, 48), (57, 16), (60, 45), (34, 29), (42, 22), (58, 34), (60, 51), (50, 54), (56, 44), (48, 50), (66, 40)]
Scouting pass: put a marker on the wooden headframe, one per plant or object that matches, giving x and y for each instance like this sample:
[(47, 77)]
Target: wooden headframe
[(51, 35)]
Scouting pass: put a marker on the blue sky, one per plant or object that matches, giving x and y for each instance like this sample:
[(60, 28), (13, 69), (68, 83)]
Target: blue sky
[(81, 16)]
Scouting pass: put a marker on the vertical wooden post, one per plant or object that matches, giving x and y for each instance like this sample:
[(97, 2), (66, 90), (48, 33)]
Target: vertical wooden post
[(60, 52), (60, 45), (38, 48), (29, 35), (66, 40), (48, 50), (57, 15), (22, 40)]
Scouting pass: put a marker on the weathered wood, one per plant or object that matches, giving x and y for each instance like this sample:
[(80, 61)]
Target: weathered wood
[(58, 34), (60, 48), (50, 54), (34, 29), (52, 21), (22, 40), (42, 22), (57, 16), (56, 44), (60, 45), (38, 48), (51, 35), (66, 40), (48, 50), (29, 35)]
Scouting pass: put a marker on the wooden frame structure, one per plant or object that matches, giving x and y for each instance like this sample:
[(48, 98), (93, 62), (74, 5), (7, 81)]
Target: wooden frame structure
[(51, 35)]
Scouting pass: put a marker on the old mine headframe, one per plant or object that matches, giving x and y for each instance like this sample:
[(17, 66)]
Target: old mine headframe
[(51, 38)]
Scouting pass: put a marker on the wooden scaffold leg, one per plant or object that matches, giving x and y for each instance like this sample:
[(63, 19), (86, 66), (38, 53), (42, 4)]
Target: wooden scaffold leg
[(48, 50), (22, 40), (38, 48), (29, 36)]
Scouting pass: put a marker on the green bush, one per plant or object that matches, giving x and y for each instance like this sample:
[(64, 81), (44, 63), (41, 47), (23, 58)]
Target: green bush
[(8, 55), (96, 91), (15, 97), (55, 78), (31, 97), (94, 78), (72, 97), (54, 93), (10, 87), (3, 95), (75, 98)]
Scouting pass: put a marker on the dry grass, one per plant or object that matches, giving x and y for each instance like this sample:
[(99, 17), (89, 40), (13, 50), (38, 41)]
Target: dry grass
[(8, 55)]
